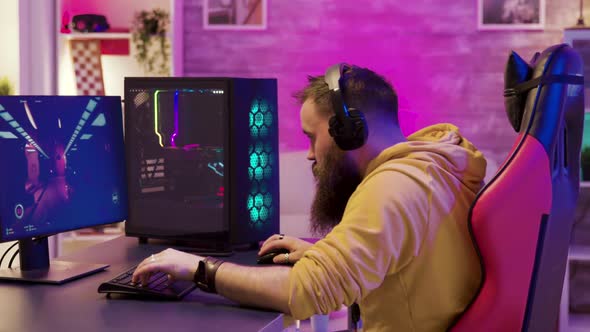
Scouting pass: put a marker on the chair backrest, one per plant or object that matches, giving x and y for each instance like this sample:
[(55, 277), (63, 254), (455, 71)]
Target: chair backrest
[(521, 220)]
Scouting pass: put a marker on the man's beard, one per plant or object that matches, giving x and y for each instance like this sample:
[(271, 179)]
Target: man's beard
[(336, 179)]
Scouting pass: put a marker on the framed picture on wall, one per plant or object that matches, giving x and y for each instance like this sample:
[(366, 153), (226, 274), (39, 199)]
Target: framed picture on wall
[(234, 14), (510, 14)]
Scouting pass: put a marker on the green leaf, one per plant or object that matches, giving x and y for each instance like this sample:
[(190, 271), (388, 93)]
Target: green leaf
[(147, 26)]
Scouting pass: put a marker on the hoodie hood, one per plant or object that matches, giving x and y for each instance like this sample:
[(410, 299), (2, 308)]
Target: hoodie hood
[(443, 145)]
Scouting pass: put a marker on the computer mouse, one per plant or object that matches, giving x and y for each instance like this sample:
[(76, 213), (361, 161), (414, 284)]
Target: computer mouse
[(267, 258)]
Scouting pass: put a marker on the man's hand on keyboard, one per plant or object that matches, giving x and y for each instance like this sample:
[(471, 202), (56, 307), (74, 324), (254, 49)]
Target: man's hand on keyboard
[(177, 264)]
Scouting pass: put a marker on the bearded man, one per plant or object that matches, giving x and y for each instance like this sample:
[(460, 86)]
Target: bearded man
[(392, 212)]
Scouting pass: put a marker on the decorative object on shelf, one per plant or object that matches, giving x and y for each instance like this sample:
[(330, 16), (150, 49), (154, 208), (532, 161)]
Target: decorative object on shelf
[(6, 87), (89, 23), (148, 33), (65, 23), (510, 14), (87, 67), (585, 162), (234, 14)]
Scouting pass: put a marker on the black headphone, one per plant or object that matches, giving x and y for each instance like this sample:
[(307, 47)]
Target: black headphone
[(348, 126)]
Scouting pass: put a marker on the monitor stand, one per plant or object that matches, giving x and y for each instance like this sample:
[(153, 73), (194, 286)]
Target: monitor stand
[(36, 267)]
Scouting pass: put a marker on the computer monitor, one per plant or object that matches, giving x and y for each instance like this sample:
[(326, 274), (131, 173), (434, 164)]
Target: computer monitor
[(202, 158), (62, 169)]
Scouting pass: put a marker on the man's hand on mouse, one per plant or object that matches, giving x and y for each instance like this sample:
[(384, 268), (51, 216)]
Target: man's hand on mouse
[(295, 246)]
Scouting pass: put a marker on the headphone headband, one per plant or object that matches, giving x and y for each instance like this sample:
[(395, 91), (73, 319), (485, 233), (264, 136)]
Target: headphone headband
[(334, 74)]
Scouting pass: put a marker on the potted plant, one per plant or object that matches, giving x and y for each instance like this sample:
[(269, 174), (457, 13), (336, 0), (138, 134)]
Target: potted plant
[(585, 162), (148, 33), (6, 87)]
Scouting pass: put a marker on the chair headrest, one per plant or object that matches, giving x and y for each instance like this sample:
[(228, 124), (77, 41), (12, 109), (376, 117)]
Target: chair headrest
[(517, 72), (557, 64)]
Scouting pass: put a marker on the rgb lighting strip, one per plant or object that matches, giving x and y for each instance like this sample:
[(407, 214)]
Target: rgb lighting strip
[(157, 117), (173, 137)]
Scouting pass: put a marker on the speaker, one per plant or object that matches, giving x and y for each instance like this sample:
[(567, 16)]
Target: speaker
[(89, 23)]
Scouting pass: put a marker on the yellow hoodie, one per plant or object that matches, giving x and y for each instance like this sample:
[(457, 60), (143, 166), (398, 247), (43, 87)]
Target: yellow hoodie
[(402, 250)]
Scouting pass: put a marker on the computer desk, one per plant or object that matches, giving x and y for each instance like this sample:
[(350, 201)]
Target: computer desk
[(77, 306)]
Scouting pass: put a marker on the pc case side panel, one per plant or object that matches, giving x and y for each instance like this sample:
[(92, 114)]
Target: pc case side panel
[(255, 155), (176, 131)]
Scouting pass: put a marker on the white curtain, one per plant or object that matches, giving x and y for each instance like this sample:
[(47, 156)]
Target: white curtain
[(38, 33)]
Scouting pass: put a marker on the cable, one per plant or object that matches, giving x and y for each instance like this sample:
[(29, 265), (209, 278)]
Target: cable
[(13, 256), (6, 252)]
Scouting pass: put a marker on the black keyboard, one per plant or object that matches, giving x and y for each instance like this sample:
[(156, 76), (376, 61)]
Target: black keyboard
[(158, 286)]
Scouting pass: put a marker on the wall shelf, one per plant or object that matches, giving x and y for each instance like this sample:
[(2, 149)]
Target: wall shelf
[(96, 35)]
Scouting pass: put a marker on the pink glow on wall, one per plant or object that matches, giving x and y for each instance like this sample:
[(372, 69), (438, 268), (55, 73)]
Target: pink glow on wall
[(442, 67)]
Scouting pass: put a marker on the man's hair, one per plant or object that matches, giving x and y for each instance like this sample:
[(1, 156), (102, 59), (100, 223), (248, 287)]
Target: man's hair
[(363, 89)]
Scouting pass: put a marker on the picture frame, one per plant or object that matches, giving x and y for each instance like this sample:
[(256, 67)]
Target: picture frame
[(234, 14), (510, 14)]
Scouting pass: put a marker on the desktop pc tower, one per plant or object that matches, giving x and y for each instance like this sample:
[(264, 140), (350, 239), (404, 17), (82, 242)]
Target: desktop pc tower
[(202, 160)]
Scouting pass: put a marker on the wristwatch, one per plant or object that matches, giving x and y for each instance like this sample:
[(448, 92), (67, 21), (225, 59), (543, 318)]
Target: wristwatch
[(205, 274)]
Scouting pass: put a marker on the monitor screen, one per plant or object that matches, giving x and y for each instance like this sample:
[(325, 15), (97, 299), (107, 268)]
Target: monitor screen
[(63, 164)]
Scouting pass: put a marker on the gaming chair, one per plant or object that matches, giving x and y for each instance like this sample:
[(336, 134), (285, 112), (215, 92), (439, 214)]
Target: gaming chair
[(521, 220)]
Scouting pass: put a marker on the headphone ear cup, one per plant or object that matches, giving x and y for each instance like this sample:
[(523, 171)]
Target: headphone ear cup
[(351, 132), (359, 127), (335, 128)]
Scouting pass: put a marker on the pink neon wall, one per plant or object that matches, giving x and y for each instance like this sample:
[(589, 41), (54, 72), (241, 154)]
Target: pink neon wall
[(443, 68)]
